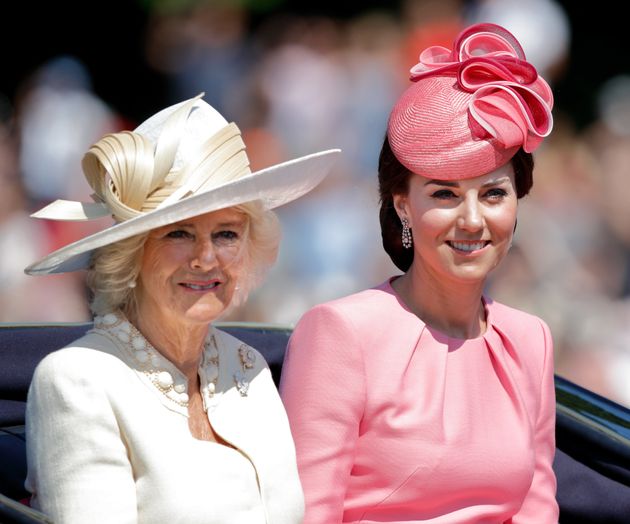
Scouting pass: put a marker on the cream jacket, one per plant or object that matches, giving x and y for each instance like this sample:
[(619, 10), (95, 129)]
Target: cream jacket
[(108, 438)]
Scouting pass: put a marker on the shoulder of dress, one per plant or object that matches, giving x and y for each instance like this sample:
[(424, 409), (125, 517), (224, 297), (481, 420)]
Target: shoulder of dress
[(227, 340), (91, 351), (368, 304), (509, 315), (241, 352), (521, 327)]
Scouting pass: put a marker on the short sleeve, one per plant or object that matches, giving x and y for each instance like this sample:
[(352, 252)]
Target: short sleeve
[(323, 390)]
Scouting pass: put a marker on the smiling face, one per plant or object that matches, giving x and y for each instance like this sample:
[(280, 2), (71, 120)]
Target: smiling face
[(461, 229), (190, 269)]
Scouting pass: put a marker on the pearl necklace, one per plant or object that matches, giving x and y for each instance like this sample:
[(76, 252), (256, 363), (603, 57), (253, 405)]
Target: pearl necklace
[(151, 363)]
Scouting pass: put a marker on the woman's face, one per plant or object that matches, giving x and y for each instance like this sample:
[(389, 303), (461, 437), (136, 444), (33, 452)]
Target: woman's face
[(190, 269), (461, 229)]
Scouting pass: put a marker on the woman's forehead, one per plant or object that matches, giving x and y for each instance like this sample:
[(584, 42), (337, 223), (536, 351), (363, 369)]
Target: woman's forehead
[(228, 216), (500, 175)]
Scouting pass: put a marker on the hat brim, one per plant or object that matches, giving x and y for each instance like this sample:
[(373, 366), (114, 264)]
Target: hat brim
[(273, 186)]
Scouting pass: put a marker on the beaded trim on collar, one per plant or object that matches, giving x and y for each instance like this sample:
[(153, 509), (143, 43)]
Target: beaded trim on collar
[(160, 372)]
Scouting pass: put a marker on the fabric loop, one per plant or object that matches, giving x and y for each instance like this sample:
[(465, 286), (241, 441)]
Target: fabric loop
[(207, 164), (526, 110), (168, 141), (477, 72)]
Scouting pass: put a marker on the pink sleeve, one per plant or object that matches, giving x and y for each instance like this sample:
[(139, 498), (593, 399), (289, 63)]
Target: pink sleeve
[(323, 390), (540, 506)]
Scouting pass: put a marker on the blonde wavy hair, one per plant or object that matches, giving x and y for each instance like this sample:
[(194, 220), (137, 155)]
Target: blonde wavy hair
[(115, 268)]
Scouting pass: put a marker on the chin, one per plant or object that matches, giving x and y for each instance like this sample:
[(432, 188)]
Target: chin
[(470, 275), (204, 313)]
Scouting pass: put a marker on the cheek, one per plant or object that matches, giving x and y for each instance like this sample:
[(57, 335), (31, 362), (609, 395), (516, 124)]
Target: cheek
[(505, 220), (233, 269), (433, 221), (159, 263)]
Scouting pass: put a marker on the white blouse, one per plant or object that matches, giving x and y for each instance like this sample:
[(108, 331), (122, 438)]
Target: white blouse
[(108, 437)]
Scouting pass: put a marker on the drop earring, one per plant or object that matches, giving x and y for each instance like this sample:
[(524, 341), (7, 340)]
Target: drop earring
[(407, 240)]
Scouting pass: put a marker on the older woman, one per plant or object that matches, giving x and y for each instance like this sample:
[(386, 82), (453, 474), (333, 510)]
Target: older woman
[(422, 400), (155, 415)]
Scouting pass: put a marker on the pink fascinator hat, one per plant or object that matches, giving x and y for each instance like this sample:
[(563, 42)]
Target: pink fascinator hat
[(470, 109)]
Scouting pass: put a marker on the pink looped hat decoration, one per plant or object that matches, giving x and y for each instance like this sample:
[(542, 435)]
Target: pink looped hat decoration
[(469, 110)]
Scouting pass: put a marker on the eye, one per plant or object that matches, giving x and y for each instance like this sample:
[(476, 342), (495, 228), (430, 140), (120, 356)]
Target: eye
[(226, 236), (178, 233), (443, 194), (496, 193)]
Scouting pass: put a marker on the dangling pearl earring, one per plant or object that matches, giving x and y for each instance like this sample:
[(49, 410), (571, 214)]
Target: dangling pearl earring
[(407, 240), (131, 284)]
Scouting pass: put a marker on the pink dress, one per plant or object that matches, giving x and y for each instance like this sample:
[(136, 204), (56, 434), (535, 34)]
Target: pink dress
[(396, 422)]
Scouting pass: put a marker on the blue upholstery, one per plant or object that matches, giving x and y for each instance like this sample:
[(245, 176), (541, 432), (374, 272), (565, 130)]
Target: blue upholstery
[(586, 496)]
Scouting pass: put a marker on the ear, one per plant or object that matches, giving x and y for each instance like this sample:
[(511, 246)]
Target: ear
[(401, 205)]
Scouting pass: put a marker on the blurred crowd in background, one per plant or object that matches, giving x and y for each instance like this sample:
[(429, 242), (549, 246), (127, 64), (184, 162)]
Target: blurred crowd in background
[(299, 84)]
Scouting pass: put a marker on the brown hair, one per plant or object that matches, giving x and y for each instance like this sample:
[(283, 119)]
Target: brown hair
[(393, 179)]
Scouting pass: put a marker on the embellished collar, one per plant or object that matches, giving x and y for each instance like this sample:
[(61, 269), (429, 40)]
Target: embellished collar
[(164, 377)]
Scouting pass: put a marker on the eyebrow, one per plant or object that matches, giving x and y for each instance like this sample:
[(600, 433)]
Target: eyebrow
[(231, 223), (449, 183)]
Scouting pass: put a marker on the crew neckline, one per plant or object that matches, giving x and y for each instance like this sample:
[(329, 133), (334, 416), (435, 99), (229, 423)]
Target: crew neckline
[(436, 333)]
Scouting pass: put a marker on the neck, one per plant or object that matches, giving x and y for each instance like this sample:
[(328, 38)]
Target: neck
[(179, 342), (454, 308)]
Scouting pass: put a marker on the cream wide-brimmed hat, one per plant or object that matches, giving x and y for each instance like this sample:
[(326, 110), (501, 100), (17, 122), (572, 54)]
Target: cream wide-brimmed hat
[(184, 161)]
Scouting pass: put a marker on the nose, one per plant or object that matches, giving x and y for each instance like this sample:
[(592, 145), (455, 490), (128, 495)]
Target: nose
[(471, 215), (204, 256)]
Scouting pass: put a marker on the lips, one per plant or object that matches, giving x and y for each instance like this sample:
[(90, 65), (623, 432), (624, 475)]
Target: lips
[(201, 285), (467, 246)]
